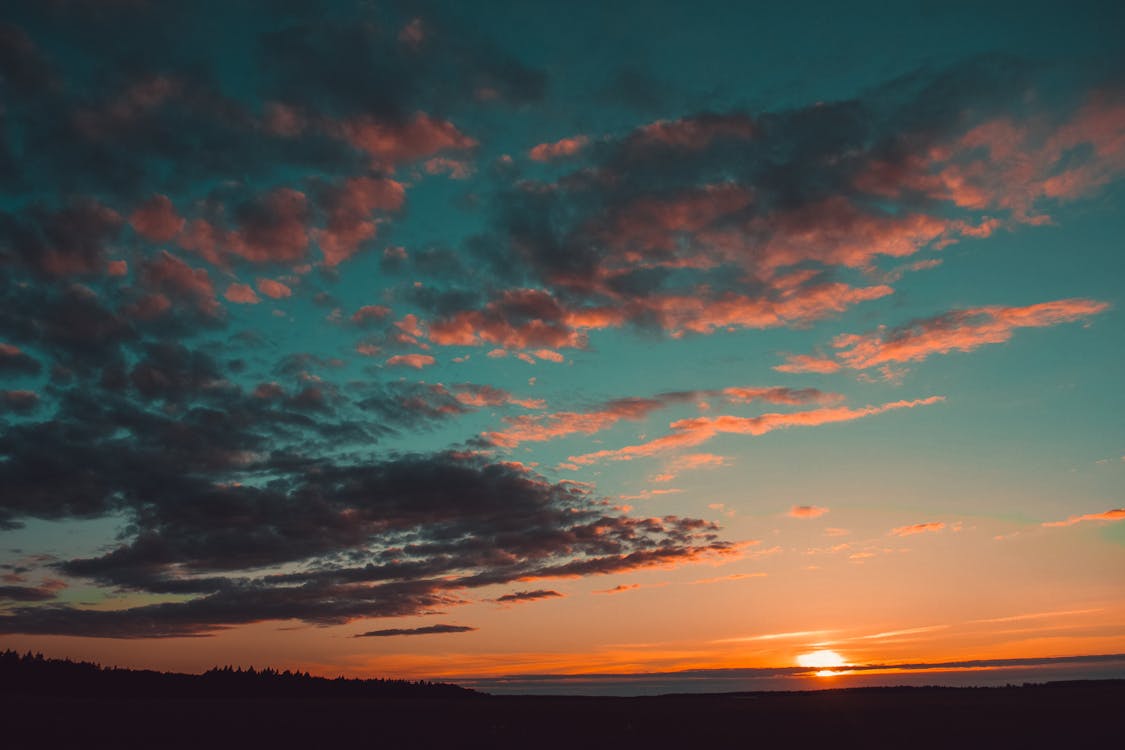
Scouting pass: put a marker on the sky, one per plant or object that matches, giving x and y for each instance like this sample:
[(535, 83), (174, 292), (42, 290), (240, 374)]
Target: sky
[(552, 347)]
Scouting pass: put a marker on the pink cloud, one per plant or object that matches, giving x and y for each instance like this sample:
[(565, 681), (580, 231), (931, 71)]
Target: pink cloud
[(795, 363), (116, 268), (959, 330), (393, 143), (549, 355), (693, 133), (1117, 514), (479, 396), (350, 208), (274, 289), (542, 427), (1013, 166), (369, 313), (837, 232), (807, 511), (241, 294), (558, 149), (918, 528), (517, 319), (156, 219), (175, 278), (417, 361), (457, 169), (270, 229)]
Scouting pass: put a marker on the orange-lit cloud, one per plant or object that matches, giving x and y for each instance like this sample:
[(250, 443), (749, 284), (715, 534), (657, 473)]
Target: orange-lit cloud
[(559, 149), (1117, 514), (542, 427), (392, 143), (274, 289), (917, 528), (417, 361), (807, 511), (350, 208), (796, 363), (176, 280), (241, 294), (688, 462), (691, 432), (693, 133), (156, 219), (958, 330)]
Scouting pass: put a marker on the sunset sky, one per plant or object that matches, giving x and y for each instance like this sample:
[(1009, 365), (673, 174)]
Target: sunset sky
[(504, 342)]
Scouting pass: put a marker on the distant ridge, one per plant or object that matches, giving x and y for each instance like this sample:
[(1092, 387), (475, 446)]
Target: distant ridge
[(33, 674)]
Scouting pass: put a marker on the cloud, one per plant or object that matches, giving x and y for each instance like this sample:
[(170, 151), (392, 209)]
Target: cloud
[(390, 143), (798, 363), (28, 593), (426, 630), (621, 589), (559, 149), (57, 242), (274, 289), (415, 361), (807, 511), (19, 401), (687, 462), (156, 219), (241, 294), (527, 596), (350, 208), (691, 133), (917, 528), (171, 276), (544, 427), (957, 330), (1117, 514), (13, 361), (698, 430), (720, 221), (479, 396), (377, 538), (368, 314)]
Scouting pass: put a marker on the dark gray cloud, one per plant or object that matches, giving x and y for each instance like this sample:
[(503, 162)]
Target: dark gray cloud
[(427, 630), (527, 596), (27, 593)]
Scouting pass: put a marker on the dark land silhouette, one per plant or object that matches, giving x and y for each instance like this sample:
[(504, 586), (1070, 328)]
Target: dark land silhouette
[(59, 703)]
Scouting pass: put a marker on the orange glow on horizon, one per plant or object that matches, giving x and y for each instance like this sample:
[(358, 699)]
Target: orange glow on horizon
[(822, 658)]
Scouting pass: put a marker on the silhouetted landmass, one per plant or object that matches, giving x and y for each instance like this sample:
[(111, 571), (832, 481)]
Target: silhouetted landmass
[(50, 703), (32, 674)]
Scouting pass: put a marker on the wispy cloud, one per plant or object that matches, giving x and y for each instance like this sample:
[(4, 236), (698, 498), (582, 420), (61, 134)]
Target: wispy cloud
[(958, 330), (426, 630), (1117, 514), (692, 432)]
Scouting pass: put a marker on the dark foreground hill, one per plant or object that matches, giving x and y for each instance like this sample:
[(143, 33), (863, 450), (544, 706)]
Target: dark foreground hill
[(32, 674), (1062, 715)]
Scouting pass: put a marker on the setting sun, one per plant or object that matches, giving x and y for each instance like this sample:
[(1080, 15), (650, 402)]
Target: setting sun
[(821, 659)]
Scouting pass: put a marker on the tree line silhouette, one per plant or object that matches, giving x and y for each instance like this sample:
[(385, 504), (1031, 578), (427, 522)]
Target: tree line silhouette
[(33, 674)]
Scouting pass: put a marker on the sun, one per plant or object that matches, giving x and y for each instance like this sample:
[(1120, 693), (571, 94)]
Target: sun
[(821, 659)]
